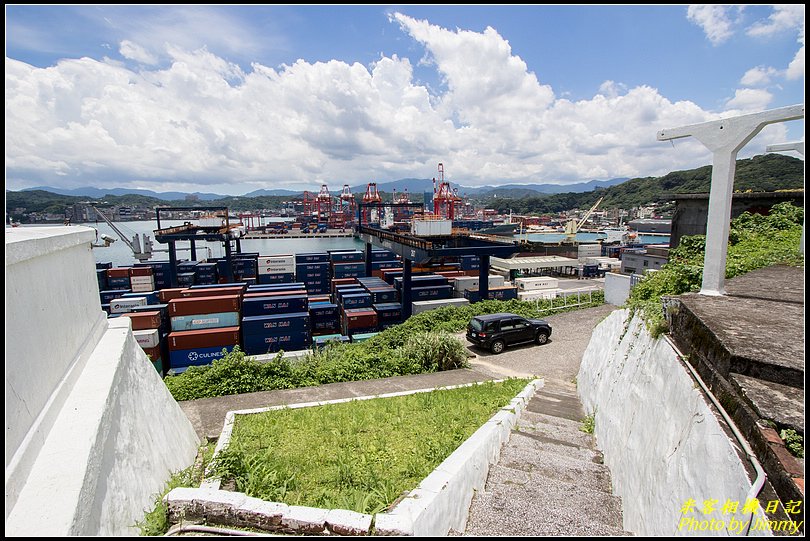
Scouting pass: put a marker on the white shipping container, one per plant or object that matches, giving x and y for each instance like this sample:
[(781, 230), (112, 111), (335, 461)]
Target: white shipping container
[(541, 282), (424, 306), (471, 282), (276, 269), (146, 288), (538, 294), (142, 280), (123, 305), (272, 260), (431, 228), (588, 250), (147, 338)]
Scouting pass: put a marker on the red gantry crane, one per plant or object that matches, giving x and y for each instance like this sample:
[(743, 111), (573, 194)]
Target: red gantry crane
[(371, 196), (444, 199)]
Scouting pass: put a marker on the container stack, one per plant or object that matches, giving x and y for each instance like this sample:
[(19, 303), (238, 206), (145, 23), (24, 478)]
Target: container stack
[(276, 269), (427, 287), (464, 283), (141, 279), (202, 327), (324, 318), (245, 267), (275, 318), (147, 327), (206, 274), (541, 287), (118, 278), (358, 321), (470, 264), (313, 270), (388, 314)]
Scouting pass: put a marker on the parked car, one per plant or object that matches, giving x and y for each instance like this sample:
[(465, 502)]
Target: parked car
[(497, 331)]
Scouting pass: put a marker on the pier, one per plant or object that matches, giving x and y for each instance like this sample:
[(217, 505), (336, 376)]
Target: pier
[(332, 233)]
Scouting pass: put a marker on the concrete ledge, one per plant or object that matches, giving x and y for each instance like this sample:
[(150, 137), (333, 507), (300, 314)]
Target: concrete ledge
[(23, 243), (439, 503)]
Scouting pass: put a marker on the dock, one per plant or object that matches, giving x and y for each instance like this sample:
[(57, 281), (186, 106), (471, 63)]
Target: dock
[(332, 234)]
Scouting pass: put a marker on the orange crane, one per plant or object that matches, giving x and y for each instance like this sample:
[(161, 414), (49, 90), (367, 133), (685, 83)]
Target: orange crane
[(371, 196), (323, 204), (445, 199)]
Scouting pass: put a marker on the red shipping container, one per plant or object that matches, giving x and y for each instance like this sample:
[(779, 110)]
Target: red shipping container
[(140, 271), (342, 281), (144, 320), (152, 353), (189, 306), (451, 274), (165, 295), (319, 298), (213, 292), (204, 338), (358, 318), (276, 293), (377, 273), (119, 272)]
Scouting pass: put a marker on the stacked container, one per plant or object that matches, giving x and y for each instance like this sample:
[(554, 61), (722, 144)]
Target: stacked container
[(358, 320), (388, 314), (118, 278), (276, 269), (201, 328), (146, 326), (206, 274), (324, 318), (141, 279), (313, 270), (275, 318), (503, 293)]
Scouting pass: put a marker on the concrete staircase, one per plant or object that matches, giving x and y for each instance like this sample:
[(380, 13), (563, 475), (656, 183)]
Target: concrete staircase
[(550, 479)]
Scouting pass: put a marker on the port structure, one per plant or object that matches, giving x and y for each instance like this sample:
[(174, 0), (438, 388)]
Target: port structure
[(423, 249), (225, 233), (371, 200), (446, 202)]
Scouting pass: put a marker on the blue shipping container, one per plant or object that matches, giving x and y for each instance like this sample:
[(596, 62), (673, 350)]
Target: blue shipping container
[(285, 304), (383, 295), (180, 358), (278, 278), (292, 286), (104, 266), (323, 310), (346, 257), (257, 344), (110, 294), (323, 325), (275, 324), (431, 293), (205, 321), (117, 282), (315, 257), (388, 311), (356, 300)]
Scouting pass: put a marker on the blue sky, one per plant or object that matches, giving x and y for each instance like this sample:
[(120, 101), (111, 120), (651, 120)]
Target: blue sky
[(231, 99)]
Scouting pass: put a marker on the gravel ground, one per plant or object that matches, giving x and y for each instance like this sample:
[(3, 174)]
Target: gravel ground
[(559, 359)]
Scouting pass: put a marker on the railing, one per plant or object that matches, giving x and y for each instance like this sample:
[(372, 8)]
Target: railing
[(555, 304), (414, 242)]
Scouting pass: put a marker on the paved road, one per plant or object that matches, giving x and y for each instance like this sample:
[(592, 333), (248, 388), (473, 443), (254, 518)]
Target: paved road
[(559, 359)]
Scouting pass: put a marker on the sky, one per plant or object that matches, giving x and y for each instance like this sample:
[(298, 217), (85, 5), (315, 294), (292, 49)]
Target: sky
[(231, 99)]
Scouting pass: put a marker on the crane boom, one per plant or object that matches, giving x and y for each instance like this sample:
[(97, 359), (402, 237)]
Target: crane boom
[(120, 234), (573, 226)]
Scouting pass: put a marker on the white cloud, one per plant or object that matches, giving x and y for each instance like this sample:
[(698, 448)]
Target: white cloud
[(714, 20), (750, 99), (135, 52), (203, 121), (759, 76), (785, 17), (795, 69)]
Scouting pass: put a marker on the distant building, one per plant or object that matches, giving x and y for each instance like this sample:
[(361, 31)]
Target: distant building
[(649, 225), (640, 260)]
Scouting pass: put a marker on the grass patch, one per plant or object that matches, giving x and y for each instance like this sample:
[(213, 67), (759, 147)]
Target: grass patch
[(419, 345), (588, 424), (358, 455), (155, 522), (793, 441)]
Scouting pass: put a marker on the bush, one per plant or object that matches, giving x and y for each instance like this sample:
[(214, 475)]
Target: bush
[(420, 344), (755, 241)]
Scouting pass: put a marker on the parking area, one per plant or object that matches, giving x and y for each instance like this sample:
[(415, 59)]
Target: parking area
[(559, 359)]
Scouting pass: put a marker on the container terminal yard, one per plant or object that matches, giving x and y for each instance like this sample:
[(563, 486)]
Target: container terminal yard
[(188, 312)]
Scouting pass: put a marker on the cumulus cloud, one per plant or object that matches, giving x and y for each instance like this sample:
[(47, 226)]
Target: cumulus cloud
[(758, 76), (133, 51), (784, 17), (714, 20), (202, 120), (795, 69), (750, 99)]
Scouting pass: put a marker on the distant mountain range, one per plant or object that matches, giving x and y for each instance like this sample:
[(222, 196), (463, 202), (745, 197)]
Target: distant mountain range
[(413, 185)]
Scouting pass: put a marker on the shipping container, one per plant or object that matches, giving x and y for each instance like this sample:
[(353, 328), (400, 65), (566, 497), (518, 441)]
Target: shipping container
[(346, 257), (321, 341), (356, 300), (212, 292), (423, 306), (118, 283), (226, 285), (144, 320), (205, 321), (291, 285), (259, 345), (279, 278), (140, 271), (277, 269), (104, 266), (165, 295), (423, 280), (362, 337), (118, 272), (318, 298), (358, 319), (101, 278), (325, 326), (388, 311), (251, 294), (147, 338), (110, 294), (540, 282), (383, 294), (383, 255), (431, 293), (342, 282), (323, 310), (498, 293), (275, 324), (203, 338), (259, 306), (199, 356), (315, 257), (150, 296), (185, 279), (270, 260), (187, 306), (123, 305), (472, 282)]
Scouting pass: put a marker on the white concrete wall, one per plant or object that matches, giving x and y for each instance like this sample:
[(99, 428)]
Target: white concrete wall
[(617, 288), (95, 431), (660, 439)]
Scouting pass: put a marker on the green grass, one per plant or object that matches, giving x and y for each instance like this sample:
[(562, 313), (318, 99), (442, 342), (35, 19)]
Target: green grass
[(155, 522), (358, 455), (420, 345), (588, 424)]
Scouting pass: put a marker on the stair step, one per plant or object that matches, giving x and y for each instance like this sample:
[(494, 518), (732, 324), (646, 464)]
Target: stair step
[(556, 405), (542, 444), (548, 493), (496, 514), (568, 431), (555, 466)]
